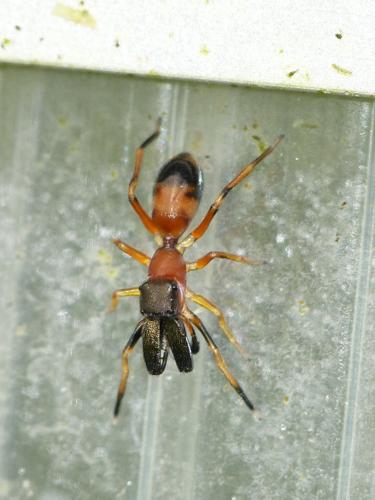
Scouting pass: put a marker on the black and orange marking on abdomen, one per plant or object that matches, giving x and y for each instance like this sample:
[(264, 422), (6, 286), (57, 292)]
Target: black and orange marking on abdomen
[(177, 193)]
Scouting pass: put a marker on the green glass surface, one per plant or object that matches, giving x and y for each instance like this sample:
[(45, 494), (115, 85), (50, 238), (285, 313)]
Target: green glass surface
[(67, 143)]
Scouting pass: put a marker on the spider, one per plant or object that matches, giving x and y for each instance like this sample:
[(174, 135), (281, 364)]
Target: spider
[(168, 323)]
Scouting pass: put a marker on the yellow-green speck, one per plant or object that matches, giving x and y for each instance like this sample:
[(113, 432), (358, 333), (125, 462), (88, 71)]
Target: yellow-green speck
[(286, 400), (73, 147), (292, 73), (5, 42), (262, 146), (62, 121), (299, 123), (204, 50), (154, 73), (112, 272), (21, 330), (338, 35), (77, 16), (309, 125), (105, 260), (341, 71), (303, 307), (104, 257)]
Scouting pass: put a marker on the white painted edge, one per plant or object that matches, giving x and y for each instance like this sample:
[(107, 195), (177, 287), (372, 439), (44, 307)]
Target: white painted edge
[(304, 44)]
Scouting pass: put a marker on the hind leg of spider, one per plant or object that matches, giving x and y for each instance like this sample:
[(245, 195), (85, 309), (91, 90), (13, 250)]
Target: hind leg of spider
[(122, 292), (206, 259), (125, 366), (132, 252), (194, 340), (199, 231), (202, 301), (142, 214), (219, 359)]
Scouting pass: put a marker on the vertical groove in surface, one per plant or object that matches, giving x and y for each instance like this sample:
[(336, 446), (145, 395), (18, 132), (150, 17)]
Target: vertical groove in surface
[(213, 182), (149, 438), (359, 325), (170, 100)]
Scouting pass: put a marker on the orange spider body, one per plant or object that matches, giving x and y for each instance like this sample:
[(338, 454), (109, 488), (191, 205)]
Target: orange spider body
[(177, 193), (168, 323)]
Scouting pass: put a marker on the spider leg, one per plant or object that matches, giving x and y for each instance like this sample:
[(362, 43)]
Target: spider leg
[(122, 292), (194, 340), (206, 259), (219, 358), (133, 252), (199, 231), (145, 218), (202, 301), (125, 366)]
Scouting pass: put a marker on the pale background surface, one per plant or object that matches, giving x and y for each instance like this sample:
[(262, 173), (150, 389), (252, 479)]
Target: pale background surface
[(67, 142), (319, 45)]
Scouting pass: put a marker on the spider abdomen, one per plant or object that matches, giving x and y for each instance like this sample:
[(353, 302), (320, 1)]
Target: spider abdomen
[(177, 193)]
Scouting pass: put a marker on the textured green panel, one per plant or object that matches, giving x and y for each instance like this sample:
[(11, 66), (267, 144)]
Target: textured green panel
[(67, 144)]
